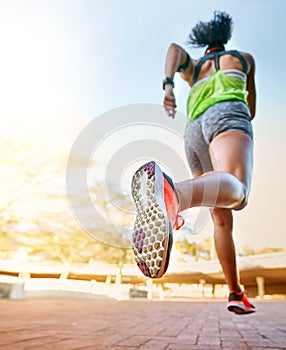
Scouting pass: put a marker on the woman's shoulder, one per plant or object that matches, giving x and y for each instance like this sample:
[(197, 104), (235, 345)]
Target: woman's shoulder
[(249, 59), (246, 55)]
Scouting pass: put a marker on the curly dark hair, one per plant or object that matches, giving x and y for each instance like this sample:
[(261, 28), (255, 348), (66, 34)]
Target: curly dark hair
[(216, 32)]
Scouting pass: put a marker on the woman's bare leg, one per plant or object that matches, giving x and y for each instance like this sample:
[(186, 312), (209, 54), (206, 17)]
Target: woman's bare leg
[(228, 185), (225, 188), (223, 223)]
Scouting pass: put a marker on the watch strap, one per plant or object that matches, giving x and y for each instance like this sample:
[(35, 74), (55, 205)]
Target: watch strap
[(168, 80)]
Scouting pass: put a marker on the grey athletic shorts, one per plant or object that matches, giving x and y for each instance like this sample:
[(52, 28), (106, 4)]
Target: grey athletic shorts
[(221, 117)]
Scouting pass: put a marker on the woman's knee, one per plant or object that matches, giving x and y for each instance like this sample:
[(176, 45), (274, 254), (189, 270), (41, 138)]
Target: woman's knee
[(241, 201), (236, 193), (241, 205)]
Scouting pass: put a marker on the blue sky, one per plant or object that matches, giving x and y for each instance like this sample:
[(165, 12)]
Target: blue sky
[(74, 60), (108, 54)]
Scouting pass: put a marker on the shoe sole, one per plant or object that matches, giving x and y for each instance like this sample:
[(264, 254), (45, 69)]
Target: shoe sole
[(152, 236), (239, 308)]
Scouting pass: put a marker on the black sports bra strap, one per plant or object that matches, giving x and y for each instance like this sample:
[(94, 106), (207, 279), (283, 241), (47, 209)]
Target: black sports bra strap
[(198, 68), (202, 61), (215, 56), (241, 58)]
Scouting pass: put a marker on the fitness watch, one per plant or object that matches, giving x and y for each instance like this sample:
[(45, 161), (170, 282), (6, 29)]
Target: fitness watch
[(168, 80)]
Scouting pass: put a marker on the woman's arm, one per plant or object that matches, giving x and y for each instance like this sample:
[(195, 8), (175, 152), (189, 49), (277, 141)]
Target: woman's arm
[(250, 85), (176, 57)]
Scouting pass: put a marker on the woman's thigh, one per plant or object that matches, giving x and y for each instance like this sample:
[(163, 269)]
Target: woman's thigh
[(232, 152)]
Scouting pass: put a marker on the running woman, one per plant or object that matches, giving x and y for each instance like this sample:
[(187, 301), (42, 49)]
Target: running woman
[(219, 149)]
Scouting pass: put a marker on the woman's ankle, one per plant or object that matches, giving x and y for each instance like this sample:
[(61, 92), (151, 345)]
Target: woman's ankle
[(236, 288)]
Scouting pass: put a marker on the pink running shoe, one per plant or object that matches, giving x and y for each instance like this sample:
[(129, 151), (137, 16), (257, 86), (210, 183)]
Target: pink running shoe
[(238, 303), (157, 205)]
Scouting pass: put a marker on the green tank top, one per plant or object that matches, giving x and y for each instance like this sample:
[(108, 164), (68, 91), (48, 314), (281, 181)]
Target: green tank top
[(218, 87)]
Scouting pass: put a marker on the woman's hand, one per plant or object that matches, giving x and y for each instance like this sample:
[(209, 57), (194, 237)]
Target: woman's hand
[(170, 101)]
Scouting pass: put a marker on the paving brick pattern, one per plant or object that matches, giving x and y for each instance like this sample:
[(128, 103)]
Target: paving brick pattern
[(67, 324)]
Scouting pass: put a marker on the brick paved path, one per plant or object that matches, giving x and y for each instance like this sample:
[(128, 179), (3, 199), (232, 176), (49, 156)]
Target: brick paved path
[(65, 324)]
